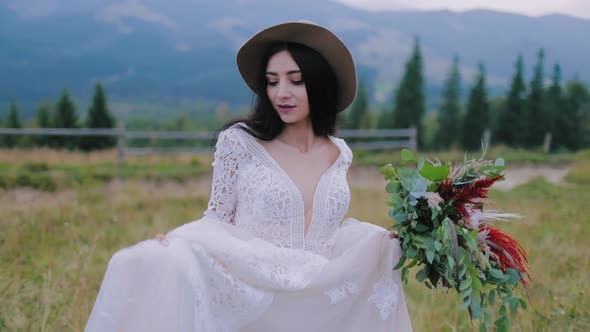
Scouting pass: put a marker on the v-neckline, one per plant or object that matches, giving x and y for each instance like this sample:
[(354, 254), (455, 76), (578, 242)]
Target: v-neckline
[(294, 186)]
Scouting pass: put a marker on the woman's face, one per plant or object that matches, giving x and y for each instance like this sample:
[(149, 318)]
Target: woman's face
[(286, 89)]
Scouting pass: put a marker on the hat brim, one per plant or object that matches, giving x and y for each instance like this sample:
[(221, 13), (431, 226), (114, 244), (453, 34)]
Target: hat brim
[(250, 56)]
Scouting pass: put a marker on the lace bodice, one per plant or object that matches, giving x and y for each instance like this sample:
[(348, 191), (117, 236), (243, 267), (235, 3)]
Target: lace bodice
[(251, 191)]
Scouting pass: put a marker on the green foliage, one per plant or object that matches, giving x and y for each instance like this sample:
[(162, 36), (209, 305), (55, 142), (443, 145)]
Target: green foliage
[(512, 122), (65, 116), (358, 115), (450, 110), (409, 104), (12, 121), (539, 118), (43, 120), (49, 177), (476, 120), (573, 124), (447, 253), (99, 116)]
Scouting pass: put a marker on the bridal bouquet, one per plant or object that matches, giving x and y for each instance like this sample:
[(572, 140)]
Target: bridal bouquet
[(438, 212)]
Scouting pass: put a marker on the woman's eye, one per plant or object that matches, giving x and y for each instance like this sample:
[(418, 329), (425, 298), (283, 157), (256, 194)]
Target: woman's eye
[(272, 83), (297, 82)]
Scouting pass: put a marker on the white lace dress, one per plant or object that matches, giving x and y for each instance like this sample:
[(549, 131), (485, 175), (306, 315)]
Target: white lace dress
[(247, 265)]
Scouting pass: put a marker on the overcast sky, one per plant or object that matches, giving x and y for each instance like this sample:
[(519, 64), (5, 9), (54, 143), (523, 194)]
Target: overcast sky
[(578, 8)]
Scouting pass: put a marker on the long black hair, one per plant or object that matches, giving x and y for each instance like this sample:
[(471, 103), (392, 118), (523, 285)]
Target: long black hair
[(322, 92)]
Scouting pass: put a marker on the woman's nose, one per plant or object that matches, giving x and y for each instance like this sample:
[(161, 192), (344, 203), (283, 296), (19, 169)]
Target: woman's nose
[(283, 90)]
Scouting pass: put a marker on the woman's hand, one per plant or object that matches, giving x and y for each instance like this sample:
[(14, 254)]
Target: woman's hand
[(393, 235), (162, 239)]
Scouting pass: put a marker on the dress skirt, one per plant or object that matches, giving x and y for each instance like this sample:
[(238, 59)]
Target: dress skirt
[(214, 276)]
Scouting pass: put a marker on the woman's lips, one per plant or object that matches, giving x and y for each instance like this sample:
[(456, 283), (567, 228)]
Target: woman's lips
[(285, 108)]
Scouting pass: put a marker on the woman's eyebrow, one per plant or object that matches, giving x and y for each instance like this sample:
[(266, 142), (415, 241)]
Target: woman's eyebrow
[(290, 72)]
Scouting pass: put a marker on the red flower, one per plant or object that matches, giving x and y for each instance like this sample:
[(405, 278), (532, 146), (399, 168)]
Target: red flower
[(509, 253), (466, 195)]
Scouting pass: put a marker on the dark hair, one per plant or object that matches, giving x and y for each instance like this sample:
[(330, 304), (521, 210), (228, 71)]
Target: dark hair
[(322, 92)]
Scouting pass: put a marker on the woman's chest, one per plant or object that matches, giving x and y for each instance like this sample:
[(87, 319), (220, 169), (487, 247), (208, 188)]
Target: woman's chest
[(269, 190)]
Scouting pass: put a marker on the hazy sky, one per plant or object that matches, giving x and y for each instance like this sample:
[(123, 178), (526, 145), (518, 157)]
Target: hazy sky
[(578, 8)]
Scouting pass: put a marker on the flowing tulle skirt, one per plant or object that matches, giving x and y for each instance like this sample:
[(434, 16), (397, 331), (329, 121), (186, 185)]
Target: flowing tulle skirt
[(216, 277)]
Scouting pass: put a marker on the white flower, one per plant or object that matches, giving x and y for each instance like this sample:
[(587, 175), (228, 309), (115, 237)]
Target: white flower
[(433, 199), (475, 217)]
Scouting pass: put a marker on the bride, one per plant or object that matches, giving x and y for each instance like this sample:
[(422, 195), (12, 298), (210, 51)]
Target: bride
[(271, 252)]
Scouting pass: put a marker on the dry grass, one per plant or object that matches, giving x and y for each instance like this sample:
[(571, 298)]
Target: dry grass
[(53, 157), (54, 247)]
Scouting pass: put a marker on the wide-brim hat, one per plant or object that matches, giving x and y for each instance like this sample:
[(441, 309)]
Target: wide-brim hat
[(322, 40)]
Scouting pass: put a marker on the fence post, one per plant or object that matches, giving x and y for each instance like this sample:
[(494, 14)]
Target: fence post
[(413, 139), (121, 143), (547, 143), (487, 134)]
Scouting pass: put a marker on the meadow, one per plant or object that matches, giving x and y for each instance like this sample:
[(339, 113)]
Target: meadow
[(61, 222)]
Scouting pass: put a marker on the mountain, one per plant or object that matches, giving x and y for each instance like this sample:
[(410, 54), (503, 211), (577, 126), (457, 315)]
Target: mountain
[(161, 52)]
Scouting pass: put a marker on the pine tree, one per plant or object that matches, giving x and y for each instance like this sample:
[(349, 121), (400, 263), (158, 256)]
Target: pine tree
[(476, 119), (577, 98), (65, 117), (538, 122), (511, 125), (358, 115), (409, 100), (43, 121), (558, 120), (99, 116), (12, 121), (450, 110), (385, 119)]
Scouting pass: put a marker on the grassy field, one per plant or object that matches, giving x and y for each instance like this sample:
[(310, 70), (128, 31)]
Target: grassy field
[(54, 245)]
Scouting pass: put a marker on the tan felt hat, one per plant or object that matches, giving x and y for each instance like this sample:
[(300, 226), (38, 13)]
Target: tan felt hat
[(311, 35)]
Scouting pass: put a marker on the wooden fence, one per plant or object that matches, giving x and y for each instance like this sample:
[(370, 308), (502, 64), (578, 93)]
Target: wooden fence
[(378, 139)]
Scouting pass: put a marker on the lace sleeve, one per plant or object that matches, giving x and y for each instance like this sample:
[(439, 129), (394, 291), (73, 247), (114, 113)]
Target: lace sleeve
[(222, 204), (348, 155)]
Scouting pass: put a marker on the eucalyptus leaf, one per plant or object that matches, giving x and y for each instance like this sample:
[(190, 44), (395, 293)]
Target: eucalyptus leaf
[(451, 261), (400, 263), (437, 245), (466, 303), (393, 187), (435, 173), (400, 215), (476, 284), (496, 274), (421, 275), (412, 180), (513, 277), (430, 256), (405, 275), (513, 304), (502, 324), (407, 155), (492, 296), (465, 284), (421, 228), (411, 253)]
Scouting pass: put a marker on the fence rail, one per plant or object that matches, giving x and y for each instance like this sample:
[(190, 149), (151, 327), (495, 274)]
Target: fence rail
[(385, 138)]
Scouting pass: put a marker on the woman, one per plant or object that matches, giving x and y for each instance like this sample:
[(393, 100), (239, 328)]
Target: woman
[(271, 252)]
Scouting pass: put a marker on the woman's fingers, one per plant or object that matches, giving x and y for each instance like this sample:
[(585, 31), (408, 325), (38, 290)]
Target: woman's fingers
[(163, 240), (393, 234)]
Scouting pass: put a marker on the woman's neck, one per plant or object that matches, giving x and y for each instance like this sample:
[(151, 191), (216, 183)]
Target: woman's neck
[(299, 135)]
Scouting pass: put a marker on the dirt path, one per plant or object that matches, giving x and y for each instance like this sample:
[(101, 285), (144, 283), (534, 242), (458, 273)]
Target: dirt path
[(369, 177)]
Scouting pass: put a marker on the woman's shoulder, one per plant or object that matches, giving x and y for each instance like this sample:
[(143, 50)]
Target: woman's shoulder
[(233, 132), (344, 148)]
